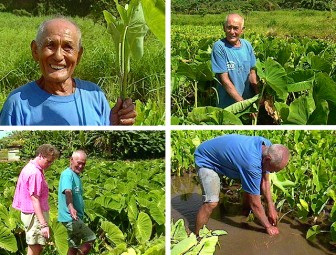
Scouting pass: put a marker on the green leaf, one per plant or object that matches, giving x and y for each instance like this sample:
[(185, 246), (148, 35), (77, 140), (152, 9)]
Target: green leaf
[(59, 237), (113, 233), (207, 246), (143, 228), (312, 232), (184, 245), (300, 110), (132, 210), (241, 106), (333, 231), (324, 88), (157, 211), (320, 114), (7, 239), (178, 231), (154, 12)]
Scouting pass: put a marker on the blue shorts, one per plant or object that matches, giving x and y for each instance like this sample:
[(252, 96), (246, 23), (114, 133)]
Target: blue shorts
[(210, 183), (78, 233)]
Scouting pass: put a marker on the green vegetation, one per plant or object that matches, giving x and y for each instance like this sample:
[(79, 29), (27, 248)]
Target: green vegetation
[(146, 82), (304, 190), (297, 76)]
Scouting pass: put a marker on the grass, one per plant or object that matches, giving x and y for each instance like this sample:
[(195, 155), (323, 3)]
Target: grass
[(282, 23), (97, 64)]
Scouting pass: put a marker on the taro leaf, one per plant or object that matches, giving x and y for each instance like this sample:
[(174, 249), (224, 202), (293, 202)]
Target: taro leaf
[(7, 239), (219, 232), (156, 249), (132, 210), (195, 71), (284, 55), (300, 86), (319, 64), (320, 114), (184, 245), (213, 115), (157, 211), (299, 110), (312, 232), (282, 109), (301, 75), (333, 232), (241, 106), (178, 231), (281, 184), (6, 217), (59, 237), (274, 75), (154, 12), (143, 228), (324, 88), (206, 246), (113, 233), (130, 251), (187, 70)]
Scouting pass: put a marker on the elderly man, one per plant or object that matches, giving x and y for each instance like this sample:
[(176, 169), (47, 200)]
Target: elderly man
[(31, 198), (233, 61), (71, 206), (57, 98), (248, 158)]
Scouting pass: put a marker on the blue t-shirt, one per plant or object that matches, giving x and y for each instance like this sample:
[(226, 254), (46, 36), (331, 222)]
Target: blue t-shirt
[(30, 105), (235, 156), (70, 180), (237, 62)]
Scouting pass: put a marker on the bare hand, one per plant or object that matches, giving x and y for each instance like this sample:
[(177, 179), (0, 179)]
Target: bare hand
[(45, 232), (73, 213), (123, 113), (272, 231), (272, 215)]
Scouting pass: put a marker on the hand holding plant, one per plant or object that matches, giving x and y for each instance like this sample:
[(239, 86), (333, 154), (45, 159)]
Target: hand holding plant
[(123, 113)]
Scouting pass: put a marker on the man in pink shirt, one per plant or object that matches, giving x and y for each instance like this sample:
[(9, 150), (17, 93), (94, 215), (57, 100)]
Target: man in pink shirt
[(31, 198)]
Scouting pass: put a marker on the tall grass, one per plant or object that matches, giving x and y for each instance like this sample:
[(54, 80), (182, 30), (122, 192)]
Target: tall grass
[(302, 23), (97, 64)]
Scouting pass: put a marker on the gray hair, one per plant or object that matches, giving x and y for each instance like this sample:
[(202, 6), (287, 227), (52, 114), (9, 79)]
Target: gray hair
[(227, 18), (277, 152), (42, 28), (79, 152)]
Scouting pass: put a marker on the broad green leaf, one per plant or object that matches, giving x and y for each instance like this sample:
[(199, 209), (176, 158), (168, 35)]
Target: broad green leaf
[(7, 239), (304, 204), (130, 251), (319, 64), (324, 89), (275, 76), (143, 228), (281, 184), (206, 246), (184, 245), (156, 249), (300, 86), (213, 115), (178, 231), (154, 12), (113, 233), (300, 110), (320, 114), (218, 232), (241, 106), (132, 210), (312, 232), (6, 218), (333, 232), (157, 210), (59, 236)]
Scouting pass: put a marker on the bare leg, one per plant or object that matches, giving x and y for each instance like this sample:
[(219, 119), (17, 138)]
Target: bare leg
[(246, 205), (35, 249), (85, 248), (72, 251), (203, 215)]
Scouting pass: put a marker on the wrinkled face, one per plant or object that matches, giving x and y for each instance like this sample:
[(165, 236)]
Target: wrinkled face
[(45, 162), (58, 52), (77, 163), (233, 28)]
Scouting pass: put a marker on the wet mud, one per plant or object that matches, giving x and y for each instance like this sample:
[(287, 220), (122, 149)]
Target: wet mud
[(244, 237)]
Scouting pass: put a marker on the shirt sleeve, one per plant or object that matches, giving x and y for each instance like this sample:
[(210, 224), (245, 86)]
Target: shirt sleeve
[(35, 184), (219, 58), (65, 181)]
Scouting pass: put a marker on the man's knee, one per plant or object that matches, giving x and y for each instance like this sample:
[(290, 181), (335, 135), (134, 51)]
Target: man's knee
[(210, 205)]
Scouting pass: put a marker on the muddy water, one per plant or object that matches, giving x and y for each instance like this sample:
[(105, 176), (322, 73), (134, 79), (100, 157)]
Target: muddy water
[(244, 238)]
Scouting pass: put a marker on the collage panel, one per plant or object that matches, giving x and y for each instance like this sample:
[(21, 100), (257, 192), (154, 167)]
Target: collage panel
[(82, 63), (100, 192), (253, 191), (238, 63)]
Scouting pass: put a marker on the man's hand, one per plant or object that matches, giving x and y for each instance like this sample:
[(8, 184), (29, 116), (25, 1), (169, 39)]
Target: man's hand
[(123, 113), (272, 231), (45, 232), (73, 213), (272, 215)]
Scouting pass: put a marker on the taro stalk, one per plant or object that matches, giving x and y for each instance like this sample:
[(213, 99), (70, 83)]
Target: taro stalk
[(128, 35)]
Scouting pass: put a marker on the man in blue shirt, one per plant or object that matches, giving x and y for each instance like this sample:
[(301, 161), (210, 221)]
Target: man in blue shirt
[(57, 98), (233, 61), (248, 158), (71, 206)]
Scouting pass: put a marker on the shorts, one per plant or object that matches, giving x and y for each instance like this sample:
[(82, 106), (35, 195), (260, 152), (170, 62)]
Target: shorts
[(78, 233), (210, 184), (32, 228)]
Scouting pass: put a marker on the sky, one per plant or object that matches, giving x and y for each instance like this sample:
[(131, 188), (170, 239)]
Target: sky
[(4, 133)]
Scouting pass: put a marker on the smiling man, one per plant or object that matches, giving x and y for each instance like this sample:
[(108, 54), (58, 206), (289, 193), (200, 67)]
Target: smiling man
[(71, 206), (57, 98), (233, 61), (248, 158)]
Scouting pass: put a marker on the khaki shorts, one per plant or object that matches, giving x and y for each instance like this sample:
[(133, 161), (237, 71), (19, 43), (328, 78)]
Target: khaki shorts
[(78, 233), (210, 184), (33, 228)]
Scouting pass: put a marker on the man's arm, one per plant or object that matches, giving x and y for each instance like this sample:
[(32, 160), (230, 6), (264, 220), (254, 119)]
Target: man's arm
[(259, 212), (229, 87), (69, 202), (253, 81), (266, 191)]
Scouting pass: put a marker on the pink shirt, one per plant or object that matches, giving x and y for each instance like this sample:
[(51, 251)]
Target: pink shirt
[(31, 182)]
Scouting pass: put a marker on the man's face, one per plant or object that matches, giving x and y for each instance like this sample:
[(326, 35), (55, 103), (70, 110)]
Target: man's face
[(45, 162), (77, 163), (233, 29), (59, 52), (268, 166)]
